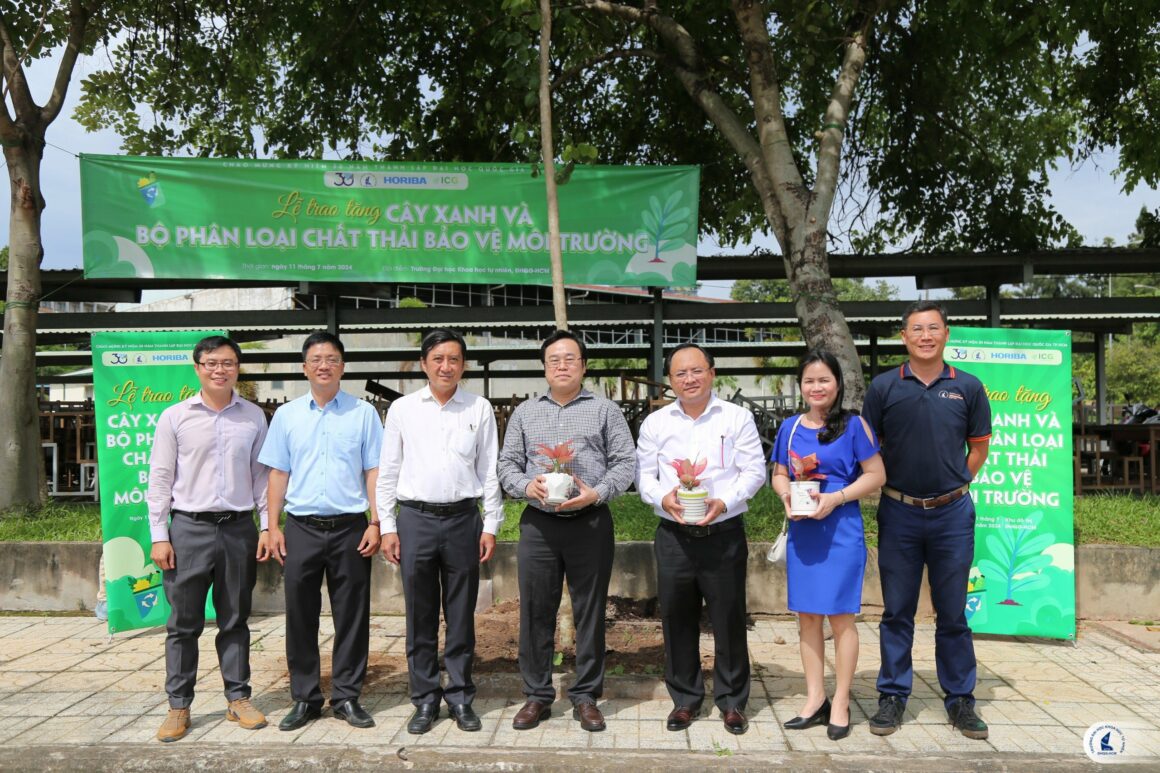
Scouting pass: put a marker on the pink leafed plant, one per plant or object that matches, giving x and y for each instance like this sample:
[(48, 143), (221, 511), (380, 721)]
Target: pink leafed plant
[(804, 467), (688, 472), (558, 456)]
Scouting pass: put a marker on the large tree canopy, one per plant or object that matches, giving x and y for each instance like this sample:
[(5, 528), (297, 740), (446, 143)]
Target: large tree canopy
[(908, 123)]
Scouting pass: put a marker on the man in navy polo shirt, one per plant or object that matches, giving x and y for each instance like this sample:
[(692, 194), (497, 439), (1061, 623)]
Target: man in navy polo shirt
[(934, 423)]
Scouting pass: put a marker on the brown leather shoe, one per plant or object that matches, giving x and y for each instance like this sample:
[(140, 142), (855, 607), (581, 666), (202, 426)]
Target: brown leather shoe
[(531, 715), (244, 713), (589, 716), (735, 721), (175, 726), (680, 718)]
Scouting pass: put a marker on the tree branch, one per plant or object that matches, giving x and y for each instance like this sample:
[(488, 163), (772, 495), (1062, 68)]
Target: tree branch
[(79, 17), (834, 122), (765, 91), (14, 83), (608, 56)]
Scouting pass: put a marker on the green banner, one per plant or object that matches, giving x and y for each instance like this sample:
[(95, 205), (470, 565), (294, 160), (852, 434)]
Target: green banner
[(136, 376), (1023, 578), (345, 221)]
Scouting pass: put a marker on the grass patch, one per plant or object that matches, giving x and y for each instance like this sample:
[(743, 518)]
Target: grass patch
[(1110, 519), (55, 522), (1107, 519)]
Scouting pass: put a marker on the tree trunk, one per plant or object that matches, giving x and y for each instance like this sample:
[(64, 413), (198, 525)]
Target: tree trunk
[(559, 300), (21, 468)]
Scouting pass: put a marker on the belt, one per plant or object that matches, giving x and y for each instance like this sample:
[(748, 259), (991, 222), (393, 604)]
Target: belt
[(327, 522), (223, 516), (448, 508), (570, 514), (730, 524), (930, 502)]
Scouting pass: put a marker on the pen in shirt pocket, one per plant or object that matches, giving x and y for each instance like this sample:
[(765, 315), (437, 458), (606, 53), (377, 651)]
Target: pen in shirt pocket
[(722, 450)]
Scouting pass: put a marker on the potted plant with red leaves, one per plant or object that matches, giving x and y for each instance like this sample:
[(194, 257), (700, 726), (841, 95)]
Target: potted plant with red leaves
[(557, 478), (690, 493), (806, 479)]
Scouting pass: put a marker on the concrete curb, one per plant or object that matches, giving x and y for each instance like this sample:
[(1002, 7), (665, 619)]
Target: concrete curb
[(1113, 582)]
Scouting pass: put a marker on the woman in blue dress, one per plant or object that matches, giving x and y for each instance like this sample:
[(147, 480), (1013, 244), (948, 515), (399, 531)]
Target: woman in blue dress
[(826, 552)]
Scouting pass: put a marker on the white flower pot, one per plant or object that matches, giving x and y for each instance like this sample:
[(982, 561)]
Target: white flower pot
[(800, 501), (695, 503), (559, 487)]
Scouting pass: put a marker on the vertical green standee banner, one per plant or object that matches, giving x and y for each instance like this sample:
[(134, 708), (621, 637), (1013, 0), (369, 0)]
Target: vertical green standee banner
[(1022, 580), (136, 376)]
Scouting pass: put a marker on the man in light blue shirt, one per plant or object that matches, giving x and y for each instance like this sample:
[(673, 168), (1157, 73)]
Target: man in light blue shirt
[(323, 453)]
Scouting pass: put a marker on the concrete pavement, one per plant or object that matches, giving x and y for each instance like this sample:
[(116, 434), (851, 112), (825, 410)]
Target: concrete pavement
[(71, 697)]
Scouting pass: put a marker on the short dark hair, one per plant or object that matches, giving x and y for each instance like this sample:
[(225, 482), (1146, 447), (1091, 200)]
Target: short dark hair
[(563, 335), (919, 307), (687, 345), (322, 337), (441, 335), (210, 343)]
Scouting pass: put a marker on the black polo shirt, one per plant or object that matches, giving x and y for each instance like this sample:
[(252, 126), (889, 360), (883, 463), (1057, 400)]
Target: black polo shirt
[(924, 428)]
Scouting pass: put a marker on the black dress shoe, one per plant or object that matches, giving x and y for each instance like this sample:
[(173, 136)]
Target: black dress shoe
[(354, 714), (424, 716), (819, 717), (680, 718), (465, 719), (735, 721), (302, 713), (837, 732)]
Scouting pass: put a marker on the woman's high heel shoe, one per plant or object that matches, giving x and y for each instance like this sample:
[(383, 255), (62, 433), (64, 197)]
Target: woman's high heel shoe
[(819, 717), (837, 732)]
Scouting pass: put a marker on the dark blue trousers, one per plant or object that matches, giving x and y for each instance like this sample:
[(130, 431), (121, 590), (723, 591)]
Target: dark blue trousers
[(942, 540)]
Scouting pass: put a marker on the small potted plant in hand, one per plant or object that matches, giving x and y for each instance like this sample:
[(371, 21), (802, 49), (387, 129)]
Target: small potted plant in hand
[(691, 494), (558, 481), (806, 480)]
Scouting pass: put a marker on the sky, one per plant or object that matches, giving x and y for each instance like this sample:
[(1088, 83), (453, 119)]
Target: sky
[(1089, 197)]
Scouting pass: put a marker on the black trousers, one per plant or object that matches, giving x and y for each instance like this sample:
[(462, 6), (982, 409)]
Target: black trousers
[(312, 554), (710, 569), (439, 559), (221, 556), (553, 549)]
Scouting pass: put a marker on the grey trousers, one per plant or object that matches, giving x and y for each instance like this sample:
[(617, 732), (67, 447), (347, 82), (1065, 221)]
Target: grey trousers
[(551, 550), (440, 564), (221, 556)]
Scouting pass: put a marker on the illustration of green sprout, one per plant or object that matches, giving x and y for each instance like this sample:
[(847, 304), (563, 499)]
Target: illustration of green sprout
[(666, 224)]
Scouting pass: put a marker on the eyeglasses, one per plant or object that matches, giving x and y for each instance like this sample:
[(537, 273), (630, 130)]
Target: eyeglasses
[(681, 375), (212, 365), (918, 330), (315, 362), (568, 361)]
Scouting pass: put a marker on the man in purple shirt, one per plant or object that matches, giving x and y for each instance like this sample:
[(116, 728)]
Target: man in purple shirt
[(204, 483)]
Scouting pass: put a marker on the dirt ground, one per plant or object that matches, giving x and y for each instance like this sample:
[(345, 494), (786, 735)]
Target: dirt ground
[(633, 640)]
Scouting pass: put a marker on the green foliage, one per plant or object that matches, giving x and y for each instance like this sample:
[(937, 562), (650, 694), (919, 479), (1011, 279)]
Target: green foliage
[(609, 384), (56, 521), (1115, 519), (1147, 229), (960, 113)]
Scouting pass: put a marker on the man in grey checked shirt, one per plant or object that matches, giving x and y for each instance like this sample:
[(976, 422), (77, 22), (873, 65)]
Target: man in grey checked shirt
[(572, 541)]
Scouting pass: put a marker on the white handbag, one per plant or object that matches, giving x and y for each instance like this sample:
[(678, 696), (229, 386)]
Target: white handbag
[(776, 554)]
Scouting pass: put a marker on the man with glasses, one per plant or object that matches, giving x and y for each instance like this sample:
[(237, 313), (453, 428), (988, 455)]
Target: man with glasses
[(703, 559), (323, 454), (934, 423), (438, 462), (205, 481), (572, 540)]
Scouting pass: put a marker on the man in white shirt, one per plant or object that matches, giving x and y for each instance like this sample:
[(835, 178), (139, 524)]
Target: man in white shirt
[(703, 559), (438, 461)]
